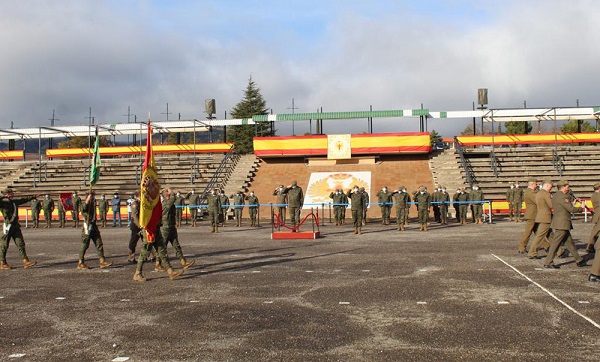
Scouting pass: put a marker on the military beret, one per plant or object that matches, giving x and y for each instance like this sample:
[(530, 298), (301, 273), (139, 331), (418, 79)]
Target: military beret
[(596, 185), (562, 183)]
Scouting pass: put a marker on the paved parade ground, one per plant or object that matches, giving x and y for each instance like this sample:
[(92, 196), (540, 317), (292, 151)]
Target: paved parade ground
[(452, 293)]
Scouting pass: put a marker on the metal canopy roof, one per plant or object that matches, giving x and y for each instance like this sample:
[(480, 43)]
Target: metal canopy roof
[(195, 125)]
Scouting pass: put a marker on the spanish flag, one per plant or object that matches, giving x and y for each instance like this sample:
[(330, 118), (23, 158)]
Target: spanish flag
[(150, 205)]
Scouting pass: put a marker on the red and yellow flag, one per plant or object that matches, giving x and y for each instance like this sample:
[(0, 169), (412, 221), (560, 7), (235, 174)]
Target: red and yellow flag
[(150, 205)]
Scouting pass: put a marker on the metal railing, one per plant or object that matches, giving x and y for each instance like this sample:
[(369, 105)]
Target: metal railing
[(138, 173), (221, 174), (195, 171), (466, 164), (557, 162), (37, 173), (494, 163)]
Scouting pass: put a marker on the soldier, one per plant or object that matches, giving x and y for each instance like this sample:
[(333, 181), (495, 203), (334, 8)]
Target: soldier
[(128, 204), (35, 211), (115, 203), (510, 202), (435, 204), (12, 228), (365, 205), (543, 219), (168, 228), (179, 206), (224, 207), (134, 226), (62, 215), (384, 198), (530, 214), (518, 201), (357, 204), (48, 207), (239, 199), (194, 202), (281, 202), (103, 208), (337, 198), (76, 209), (444, 202), (456, 205), (476, 196), (562, 225), (90, 232), (401, 200), (161, 255), (214, 208), (423, 200), (253, 207), (595, 199), (463, 205), (295, 201)]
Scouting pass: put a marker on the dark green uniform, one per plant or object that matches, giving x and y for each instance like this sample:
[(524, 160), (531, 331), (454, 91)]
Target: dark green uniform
[(62, 215), (463, 206), (365, 204), (48, 207), (12, 229), (345, 201), (456, 205), (103, 209), (214, 208), (338, 205), (423, 200), (385, 199), (76, 210), (90, 231), (239, 199), (401, 200), (36, 206), (357, 203), (224, 208), (179, 206), (281, 203), (475, 196), (194, 202), (295, 202), (517, 199), (252, 208), (509, 200), (435, 199), (168, 227), (444, 202)]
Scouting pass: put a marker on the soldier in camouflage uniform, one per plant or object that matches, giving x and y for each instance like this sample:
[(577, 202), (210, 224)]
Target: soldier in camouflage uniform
[(194, 202), (168, 227), (12, 228), (509, 200), (365, 204), (36, 206), (357, 203), (224, 207), (214, 208), (103, 209), (434, 204), (463, 205), (281, 202), (423, 200), (401, 200), (239, 199), (444, 203), (337, 198), (179, 206), (252, 207), (89, 232), (475, 196), (48, 207), (518, 201), (295, 202), (62, 215), (76, 209), (384, 198)]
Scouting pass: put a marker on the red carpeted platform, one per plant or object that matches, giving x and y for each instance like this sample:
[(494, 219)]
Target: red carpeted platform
[(299, 235)]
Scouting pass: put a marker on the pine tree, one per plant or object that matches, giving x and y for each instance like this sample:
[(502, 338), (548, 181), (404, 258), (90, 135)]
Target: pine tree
[(252, 104), (518, 127)]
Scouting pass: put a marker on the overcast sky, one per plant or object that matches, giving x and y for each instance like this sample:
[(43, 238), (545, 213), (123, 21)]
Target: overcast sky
[(346, 55)]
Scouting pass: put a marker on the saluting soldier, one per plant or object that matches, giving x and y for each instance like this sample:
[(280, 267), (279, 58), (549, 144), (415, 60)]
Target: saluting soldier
[(194, 200), (295, 201), (476, 196), (337, 198), (89, 232), (214, 208), (595, 199), (76, 209), (12, 228), (444, 202), (281, 202), (239, 199), (168, 227), (543, 219), (35, 211), (48, 206), (357, 203), (103, 209), (423, 200), (518, 195), (530, 214), (252, 207), (384, 198), (561, 226), (401, 200)]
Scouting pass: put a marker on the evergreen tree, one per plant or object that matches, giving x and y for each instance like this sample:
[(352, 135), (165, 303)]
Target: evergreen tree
[(518, 127), (252, 104), (435, 137), (84, 142), (572, 127)]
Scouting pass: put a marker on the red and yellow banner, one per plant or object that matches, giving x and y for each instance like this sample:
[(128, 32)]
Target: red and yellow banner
[(220, 147), (150, 205), (522, 139), (361, 144), (12, 155)]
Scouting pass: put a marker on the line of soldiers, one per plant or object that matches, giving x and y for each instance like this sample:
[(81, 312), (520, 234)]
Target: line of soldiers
[(549, 218)]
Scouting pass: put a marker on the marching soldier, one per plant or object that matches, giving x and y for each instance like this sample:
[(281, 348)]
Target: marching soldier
[(423, 200), (134, 226), (530, 214), (35, 211), (561, 226), (510, 201), (168, 228), (337, 199), (239, 199), (12, 228), (90, 232), (224, 207), (295, 201), (401, 200), (476, 196), (357, 201), (595, 199), (384, 199), (281, 202), (103, 209), (194, 201), (518, 201), (214, 208), (543, 219), (48, 207), (444, 202), (252, 207), (76, 209)]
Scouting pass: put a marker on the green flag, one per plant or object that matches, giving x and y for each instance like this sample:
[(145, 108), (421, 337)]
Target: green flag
[(95, 171)]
